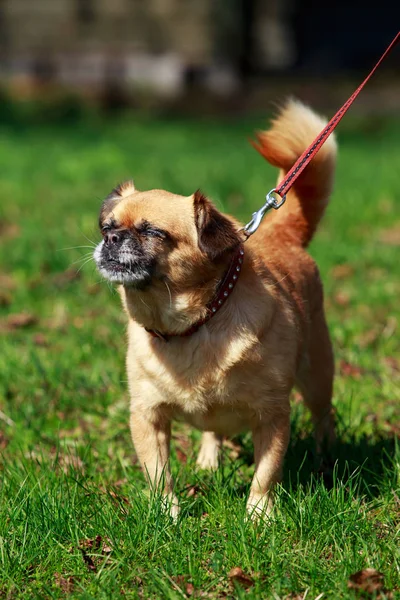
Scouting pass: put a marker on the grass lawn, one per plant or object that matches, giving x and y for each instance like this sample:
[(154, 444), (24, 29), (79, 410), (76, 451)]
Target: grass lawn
[(75, 517)]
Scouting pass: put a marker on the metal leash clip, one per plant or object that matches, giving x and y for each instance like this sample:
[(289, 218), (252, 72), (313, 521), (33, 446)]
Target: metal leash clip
[(273, 200)]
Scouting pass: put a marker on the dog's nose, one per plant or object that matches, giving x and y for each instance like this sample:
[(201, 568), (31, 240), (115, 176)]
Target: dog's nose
[(111, 237)]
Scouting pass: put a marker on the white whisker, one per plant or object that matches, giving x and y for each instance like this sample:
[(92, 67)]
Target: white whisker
[(86, 238), (74, 248), (87, 261), (280, 281), (110, 287), (146, 305), (85, 255), (169, 292)]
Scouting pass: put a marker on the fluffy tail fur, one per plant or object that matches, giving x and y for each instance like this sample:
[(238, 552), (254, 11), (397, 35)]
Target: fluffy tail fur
[(292, 131)]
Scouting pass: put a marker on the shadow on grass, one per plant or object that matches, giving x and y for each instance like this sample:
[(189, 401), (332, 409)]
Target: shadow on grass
[(371, 456), (362, 468)]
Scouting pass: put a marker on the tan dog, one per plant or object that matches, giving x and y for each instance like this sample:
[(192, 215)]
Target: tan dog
[(236, 371)]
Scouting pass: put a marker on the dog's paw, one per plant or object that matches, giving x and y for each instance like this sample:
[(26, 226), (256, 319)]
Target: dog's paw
[(171, 505), (259, 506), (208, 457)]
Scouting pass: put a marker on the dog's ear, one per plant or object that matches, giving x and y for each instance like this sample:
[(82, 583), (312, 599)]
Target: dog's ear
[(215, 232), (121, 191)]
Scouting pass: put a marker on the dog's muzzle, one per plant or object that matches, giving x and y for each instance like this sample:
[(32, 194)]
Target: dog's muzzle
[(120, 259)]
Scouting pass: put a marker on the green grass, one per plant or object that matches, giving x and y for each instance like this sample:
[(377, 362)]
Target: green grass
[(68, 470)]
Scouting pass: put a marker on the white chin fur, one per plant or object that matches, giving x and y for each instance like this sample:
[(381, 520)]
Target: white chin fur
[(109, 274), (117, 277)]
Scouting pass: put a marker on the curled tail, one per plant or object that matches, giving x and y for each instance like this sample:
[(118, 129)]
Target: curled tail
[(291, 132)]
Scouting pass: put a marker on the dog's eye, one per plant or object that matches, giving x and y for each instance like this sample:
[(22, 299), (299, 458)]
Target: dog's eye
[(111, 224), (153, 233), (148, 230)]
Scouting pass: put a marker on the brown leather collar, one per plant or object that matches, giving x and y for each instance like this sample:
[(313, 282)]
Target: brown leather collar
[(223, 291)]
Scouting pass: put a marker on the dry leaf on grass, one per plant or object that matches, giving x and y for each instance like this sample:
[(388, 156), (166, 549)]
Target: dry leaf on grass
[(120, 482), (7, 282), (9, 230), (18, 321), (117, 497), (182, 441), (189, 589), (382, 530), (393, 363), (182, 446), (66, 584), (297, 397), (70, 461), (91, 549), (88, 560), (383, 330), (193, 491), (370, 337), (181, 456), (392, 428), (342, 271), (180, 581), (79, 322), (350, 370), (3, 441), (391, 236), (368, 581), (234, 448), (98, 544), (39, 339), (342, 298), (237, 575)]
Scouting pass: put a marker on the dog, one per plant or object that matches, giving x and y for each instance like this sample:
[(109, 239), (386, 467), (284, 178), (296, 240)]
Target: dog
[(220, 331)]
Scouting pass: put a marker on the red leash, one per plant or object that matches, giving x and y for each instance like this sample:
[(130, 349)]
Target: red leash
[(232, 275), (310, 152)]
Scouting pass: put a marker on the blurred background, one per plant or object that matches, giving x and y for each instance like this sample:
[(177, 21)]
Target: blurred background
[(168, 92), (197, 56)]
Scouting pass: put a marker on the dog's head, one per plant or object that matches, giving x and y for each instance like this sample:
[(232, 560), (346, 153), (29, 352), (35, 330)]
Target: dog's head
[(158, 236)]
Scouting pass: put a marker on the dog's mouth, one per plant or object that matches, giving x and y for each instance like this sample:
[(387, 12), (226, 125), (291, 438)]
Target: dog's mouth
[(123, 267)]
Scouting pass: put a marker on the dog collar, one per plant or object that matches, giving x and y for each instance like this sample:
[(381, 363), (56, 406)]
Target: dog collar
[(223, 291)]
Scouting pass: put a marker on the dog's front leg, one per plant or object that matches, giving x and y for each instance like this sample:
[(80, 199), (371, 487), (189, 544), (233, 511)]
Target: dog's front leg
[(270, 440), (151, 435)]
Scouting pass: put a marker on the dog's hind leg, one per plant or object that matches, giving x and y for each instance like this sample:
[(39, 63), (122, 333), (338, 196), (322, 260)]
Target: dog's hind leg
[(209, 451), (315, 381)]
